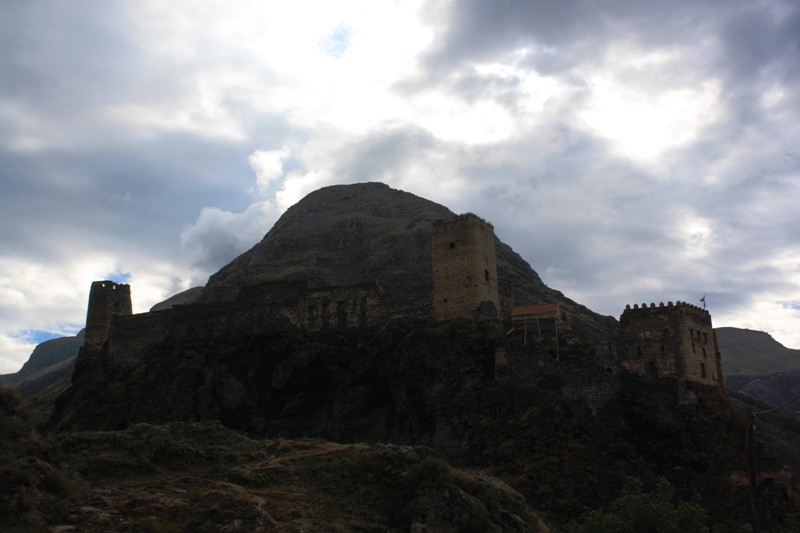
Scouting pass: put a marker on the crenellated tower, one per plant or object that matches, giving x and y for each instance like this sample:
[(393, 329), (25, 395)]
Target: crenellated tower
[(464, 268), (672, 340), (106, 301)]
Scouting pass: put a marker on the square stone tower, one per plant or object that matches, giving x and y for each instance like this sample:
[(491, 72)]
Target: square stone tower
[(673, 340), (106, 300), (464, 269)]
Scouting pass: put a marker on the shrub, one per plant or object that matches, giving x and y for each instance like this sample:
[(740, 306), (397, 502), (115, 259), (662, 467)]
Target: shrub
[(636, 511)]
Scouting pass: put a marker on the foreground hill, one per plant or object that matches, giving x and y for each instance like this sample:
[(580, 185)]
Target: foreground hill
[(204, 477)]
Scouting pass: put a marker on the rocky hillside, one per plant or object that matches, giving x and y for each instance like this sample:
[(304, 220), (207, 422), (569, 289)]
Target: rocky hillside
[(45, 375), (182, 298), (204, 477), (759, 367), (369, 232), (563, 434), (48, 357), (754, 353)]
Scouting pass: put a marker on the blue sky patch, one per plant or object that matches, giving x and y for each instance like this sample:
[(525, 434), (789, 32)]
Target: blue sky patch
[(119, 277), (337, 41), (38, 336)]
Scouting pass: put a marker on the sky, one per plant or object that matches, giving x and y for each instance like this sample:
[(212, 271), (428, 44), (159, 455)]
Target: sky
[(630, 151)]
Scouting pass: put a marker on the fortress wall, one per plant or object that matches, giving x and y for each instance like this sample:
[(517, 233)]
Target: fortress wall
[(132, 335), (259, 310), (341, 308)]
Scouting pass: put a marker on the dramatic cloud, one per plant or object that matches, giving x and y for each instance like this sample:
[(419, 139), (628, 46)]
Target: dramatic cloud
[(630, 151)]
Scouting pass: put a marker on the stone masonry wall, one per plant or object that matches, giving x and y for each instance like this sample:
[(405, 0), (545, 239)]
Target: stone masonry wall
[(258, 309), (106, 301), (673, 340), (464, 267)]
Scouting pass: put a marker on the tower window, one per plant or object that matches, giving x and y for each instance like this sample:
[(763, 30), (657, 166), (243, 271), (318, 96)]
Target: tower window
[(648, 334), (486, 275), (452, 245)]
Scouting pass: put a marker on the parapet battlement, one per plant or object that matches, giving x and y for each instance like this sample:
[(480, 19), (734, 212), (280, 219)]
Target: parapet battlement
[(682, 307), (107, 284)]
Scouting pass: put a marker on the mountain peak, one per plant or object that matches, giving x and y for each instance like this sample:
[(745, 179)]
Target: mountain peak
[(370, 233)]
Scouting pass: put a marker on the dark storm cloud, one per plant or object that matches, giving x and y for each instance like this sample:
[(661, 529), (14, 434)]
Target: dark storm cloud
[(115, 198), (745, 44), (555, 36), (76, 169), (386, 154), (587, 213), (44, 40)]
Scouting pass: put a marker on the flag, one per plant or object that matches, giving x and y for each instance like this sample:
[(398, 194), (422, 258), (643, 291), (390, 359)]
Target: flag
[(703, 299)]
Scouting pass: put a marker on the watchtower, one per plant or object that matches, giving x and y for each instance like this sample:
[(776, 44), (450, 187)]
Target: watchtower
[(673, 340), (464, 268), (106, 300)]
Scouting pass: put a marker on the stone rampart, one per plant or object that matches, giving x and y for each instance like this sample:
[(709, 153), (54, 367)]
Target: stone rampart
[(257, 310)]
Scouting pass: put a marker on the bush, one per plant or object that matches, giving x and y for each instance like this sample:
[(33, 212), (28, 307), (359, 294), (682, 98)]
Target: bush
[(9, 399), (636, 511)]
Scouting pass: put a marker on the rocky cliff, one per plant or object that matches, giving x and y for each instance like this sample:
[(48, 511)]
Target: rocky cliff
[(564, 434)]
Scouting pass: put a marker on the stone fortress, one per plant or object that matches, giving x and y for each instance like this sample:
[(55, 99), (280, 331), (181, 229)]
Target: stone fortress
[(673, 340)]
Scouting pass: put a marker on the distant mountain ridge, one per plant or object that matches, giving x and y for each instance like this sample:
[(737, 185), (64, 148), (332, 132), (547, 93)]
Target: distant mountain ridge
[(758, 366), (54, 355), (754, 353)]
